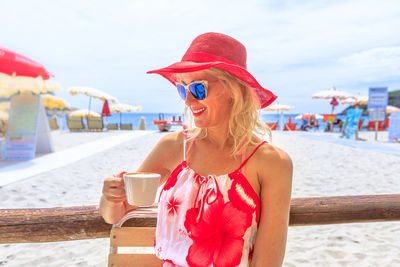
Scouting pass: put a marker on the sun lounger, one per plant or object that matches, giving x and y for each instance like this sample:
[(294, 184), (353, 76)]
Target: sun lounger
[(272, 125), (291, 126), (112, 126), (360, 123), (125, 126), (371, 126), (75, 124), (383, 126), (95, 123), (137, 243), (53, 123)]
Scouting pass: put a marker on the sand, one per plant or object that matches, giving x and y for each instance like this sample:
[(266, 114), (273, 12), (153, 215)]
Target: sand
[(320, 169)]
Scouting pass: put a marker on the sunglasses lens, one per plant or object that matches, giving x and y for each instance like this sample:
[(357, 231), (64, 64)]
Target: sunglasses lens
[(181, 91), (198, 90)]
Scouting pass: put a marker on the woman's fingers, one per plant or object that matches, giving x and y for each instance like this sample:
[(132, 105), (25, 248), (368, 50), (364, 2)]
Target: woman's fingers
[(114, 182), (113, 189), (114, 192)]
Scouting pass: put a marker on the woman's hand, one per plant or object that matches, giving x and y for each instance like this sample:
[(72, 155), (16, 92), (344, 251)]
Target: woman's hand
[(113, 189), (113, 203)]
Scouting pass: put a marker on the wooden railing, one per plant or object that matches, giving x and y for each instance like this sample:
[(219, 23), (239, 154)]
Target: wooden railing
[(75, 223)]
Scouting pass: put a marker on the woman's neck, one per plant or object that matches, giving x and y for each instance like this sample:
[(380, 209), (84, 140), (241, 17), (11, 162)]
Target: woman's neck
[(218, 137)]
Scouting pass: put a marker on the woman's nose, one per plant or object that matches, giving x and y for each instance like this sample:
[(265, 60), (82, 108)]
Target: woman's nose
[(189, 98)]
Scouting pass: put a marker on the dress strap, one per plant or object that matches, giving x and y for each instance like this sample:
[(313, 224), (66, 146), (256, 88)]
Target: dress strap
[(254, 151), (243, 154), (186, 153)]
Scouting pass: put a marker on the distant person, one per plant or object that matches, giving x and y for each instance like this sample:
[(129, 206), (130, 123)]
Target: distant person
[(314, 121), (304, 124), (309, 123), (226, 197), (339, 123)]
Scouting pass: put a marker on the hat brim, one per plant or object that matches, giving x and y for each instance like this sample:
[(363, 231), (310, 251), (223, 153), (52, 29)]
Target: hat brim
[(265, 96)]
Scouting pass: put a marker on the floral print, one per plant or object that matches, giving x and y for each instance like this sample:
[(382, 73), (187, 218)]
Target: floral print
[(218, 236), (173, 206), (206, 221)]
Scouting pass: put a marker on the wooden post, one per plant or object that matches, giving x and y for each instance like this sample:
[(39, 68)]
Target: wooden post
[(75, 223)]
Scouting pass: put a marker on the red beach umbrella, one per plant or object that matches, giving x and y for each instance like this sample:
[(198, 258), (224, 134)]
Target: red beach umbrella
[(106, 110), (12, 62)]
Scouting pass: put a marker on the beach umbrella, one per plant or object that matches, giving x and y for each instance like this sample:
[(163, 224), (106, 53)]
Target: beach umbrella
[(83, 113), (280, 108), (306, 116), (53, 102), (91, 92), (12, 63), (12, 85), (19, 73), (105, 112), (392, 109), (332, 94), (120, 107), (361, 100)]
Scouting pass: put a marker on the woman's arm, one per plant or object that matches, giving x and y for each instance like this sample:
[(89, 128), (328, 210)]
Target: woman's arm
[(275, 178), (113, 204), (165, 156)]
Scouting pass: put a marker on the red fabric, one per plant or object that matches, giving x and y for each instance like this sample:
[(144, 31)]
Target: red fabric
[(237, 199), (217, 50), (121, 174), (171, 181), (218, 236), (173, 206), (334, 102), (12, 62), (272, 125), (290, 127), (106, 110)]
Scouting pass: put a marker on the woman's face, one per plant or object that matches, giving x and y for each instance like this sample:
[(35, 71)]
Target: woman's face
[(214, 110)]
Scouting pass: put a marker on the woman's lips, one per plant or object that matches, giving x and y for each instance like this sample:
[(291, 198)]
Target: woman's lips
[(197, 112)]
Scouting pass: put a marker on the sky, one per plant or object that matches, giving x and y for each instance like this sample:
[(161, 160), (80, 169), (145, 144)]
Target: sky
[(295, 48)]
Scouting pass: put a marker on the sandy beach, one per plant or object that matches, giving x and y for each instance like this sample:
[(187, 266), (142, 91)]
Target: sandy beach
[(321, 168)]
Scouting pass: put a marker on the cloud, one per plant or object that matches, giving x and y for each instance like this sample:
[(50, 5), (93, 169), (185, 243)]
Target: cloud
[(294, 47)]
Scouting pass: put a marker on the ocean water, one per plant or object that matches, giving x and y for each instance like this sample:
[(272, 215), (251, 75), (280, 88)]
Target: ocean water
[(134, 119)]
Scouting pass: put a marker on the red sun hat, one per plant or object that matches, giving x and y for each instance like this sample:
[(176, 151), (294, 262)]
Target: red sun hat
[(217, 50)]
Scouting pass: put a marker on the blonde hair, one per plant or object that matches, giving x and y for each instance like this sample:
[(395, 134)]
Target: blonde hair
[(244, 121)]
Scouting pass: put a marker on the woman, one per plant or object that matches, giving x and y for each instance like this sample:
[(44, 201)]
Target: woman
[(226, 197)]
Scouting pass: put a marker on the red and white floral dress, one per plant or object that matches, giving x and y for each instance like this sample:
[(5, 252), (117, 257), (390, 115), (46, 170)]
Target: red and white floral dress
[(206, 221)]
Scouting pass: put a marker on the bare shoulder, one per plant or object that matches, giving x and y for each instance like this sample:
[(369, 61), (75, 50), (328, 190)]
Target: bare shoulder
[(274, 155), (273, 164), (171, 142)]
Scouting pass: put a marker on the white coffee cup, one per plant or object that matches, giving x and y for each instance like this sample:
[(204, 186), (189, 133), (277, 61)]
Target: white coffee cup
[(141, 188)]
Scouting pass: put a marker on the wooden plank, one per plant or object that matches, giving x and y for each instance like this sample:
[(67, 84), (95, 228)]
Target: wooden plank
[(57, 224), (75, 223), (344, 209), (133, 260), (132, 237)]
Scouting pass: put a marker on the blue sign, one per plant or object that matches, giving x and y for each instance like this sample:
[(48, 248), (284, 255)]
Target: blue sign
[(378, 98)]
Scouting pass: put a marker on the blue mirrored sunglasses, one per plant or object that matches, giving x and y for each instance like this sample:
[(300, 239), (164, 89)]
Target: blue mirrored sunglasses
[(198, 89)]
